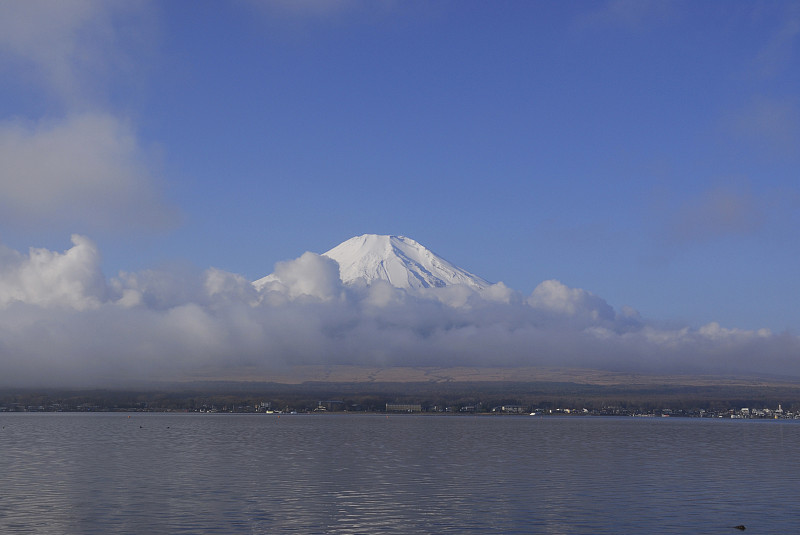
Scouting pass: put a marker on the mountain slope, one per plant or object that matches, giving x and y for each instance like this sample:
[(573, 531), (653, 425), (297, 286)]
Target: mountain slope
[(401, 261)]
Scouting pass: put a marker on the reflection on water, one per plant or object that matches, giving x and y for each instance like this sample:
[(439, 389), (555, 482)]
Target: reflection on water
[(343, 474)]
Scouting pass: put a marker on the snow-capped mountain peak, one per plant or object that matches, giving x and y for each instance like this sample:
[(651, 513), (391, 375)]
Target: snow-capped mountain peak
[(401, 261)]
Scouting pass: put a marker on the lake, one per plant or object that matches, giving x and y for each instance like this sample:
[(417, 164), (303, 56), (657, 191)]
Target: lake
[(347, 474)]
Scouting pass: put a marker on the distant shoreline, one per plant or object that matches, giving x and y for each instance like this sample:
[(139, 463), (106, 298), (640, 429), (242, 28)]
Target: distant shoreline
[(434, 390)]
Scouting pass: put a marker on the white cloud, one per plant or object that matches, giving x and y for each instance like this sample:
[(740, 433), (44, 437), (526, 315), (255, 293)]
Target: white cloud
[(311, 275), (71, 47), (229, 286), (713, 331), (58, 312), (82, 166), (382, 294), (88, 169), (553, 296), (501, 293), (71, 279)]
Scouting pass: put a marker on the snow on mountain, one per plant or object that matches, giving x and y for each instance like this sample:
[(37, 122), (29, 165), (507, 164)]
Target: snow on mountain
[(401, 261)]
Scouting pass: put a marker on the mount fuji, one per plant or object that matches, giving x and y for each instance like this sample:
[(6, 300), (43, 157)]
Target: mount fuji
[(400, 261)]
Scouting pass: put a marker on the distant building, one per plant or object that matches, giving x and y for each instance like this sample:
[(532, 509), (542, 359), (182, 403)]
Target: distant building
[(512, 409), (403, 407)]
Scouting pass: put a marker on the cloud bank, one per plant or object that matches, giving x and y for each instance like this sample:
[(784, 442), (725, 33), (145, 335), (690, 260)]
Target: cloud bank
[(62, 322), (72, 49), (86, 168), (72, 159)]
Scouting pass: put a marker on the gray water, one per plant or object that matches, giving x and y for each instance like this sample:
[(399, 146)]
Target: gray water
[(344, 474)]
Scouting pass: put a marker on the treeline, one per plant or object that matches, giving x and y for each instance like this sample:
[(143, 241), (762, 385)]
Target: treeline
[(454, 396)]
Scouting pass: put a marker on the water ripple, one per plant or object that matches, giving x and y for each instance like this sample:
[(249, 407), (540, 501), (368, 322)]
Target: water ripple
[(348, 474)]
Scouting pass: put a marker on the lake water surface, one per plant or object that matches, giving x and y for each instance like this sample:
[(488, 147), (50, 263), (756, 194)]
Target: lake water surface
[(345, 474)]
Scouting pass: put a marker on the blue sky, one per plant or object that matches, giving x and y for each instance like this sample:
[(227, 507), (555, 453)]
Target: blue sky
[(647, 152)]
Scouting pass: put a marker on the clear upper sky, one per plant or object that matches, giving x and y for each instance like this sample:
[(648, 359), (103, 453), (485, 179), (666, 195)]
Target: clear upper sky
[(648, 152)]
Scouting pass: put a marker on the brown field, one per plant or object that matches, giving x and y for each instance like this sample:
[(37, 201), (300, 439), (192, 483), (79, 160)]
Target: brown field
[(296, 375)]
